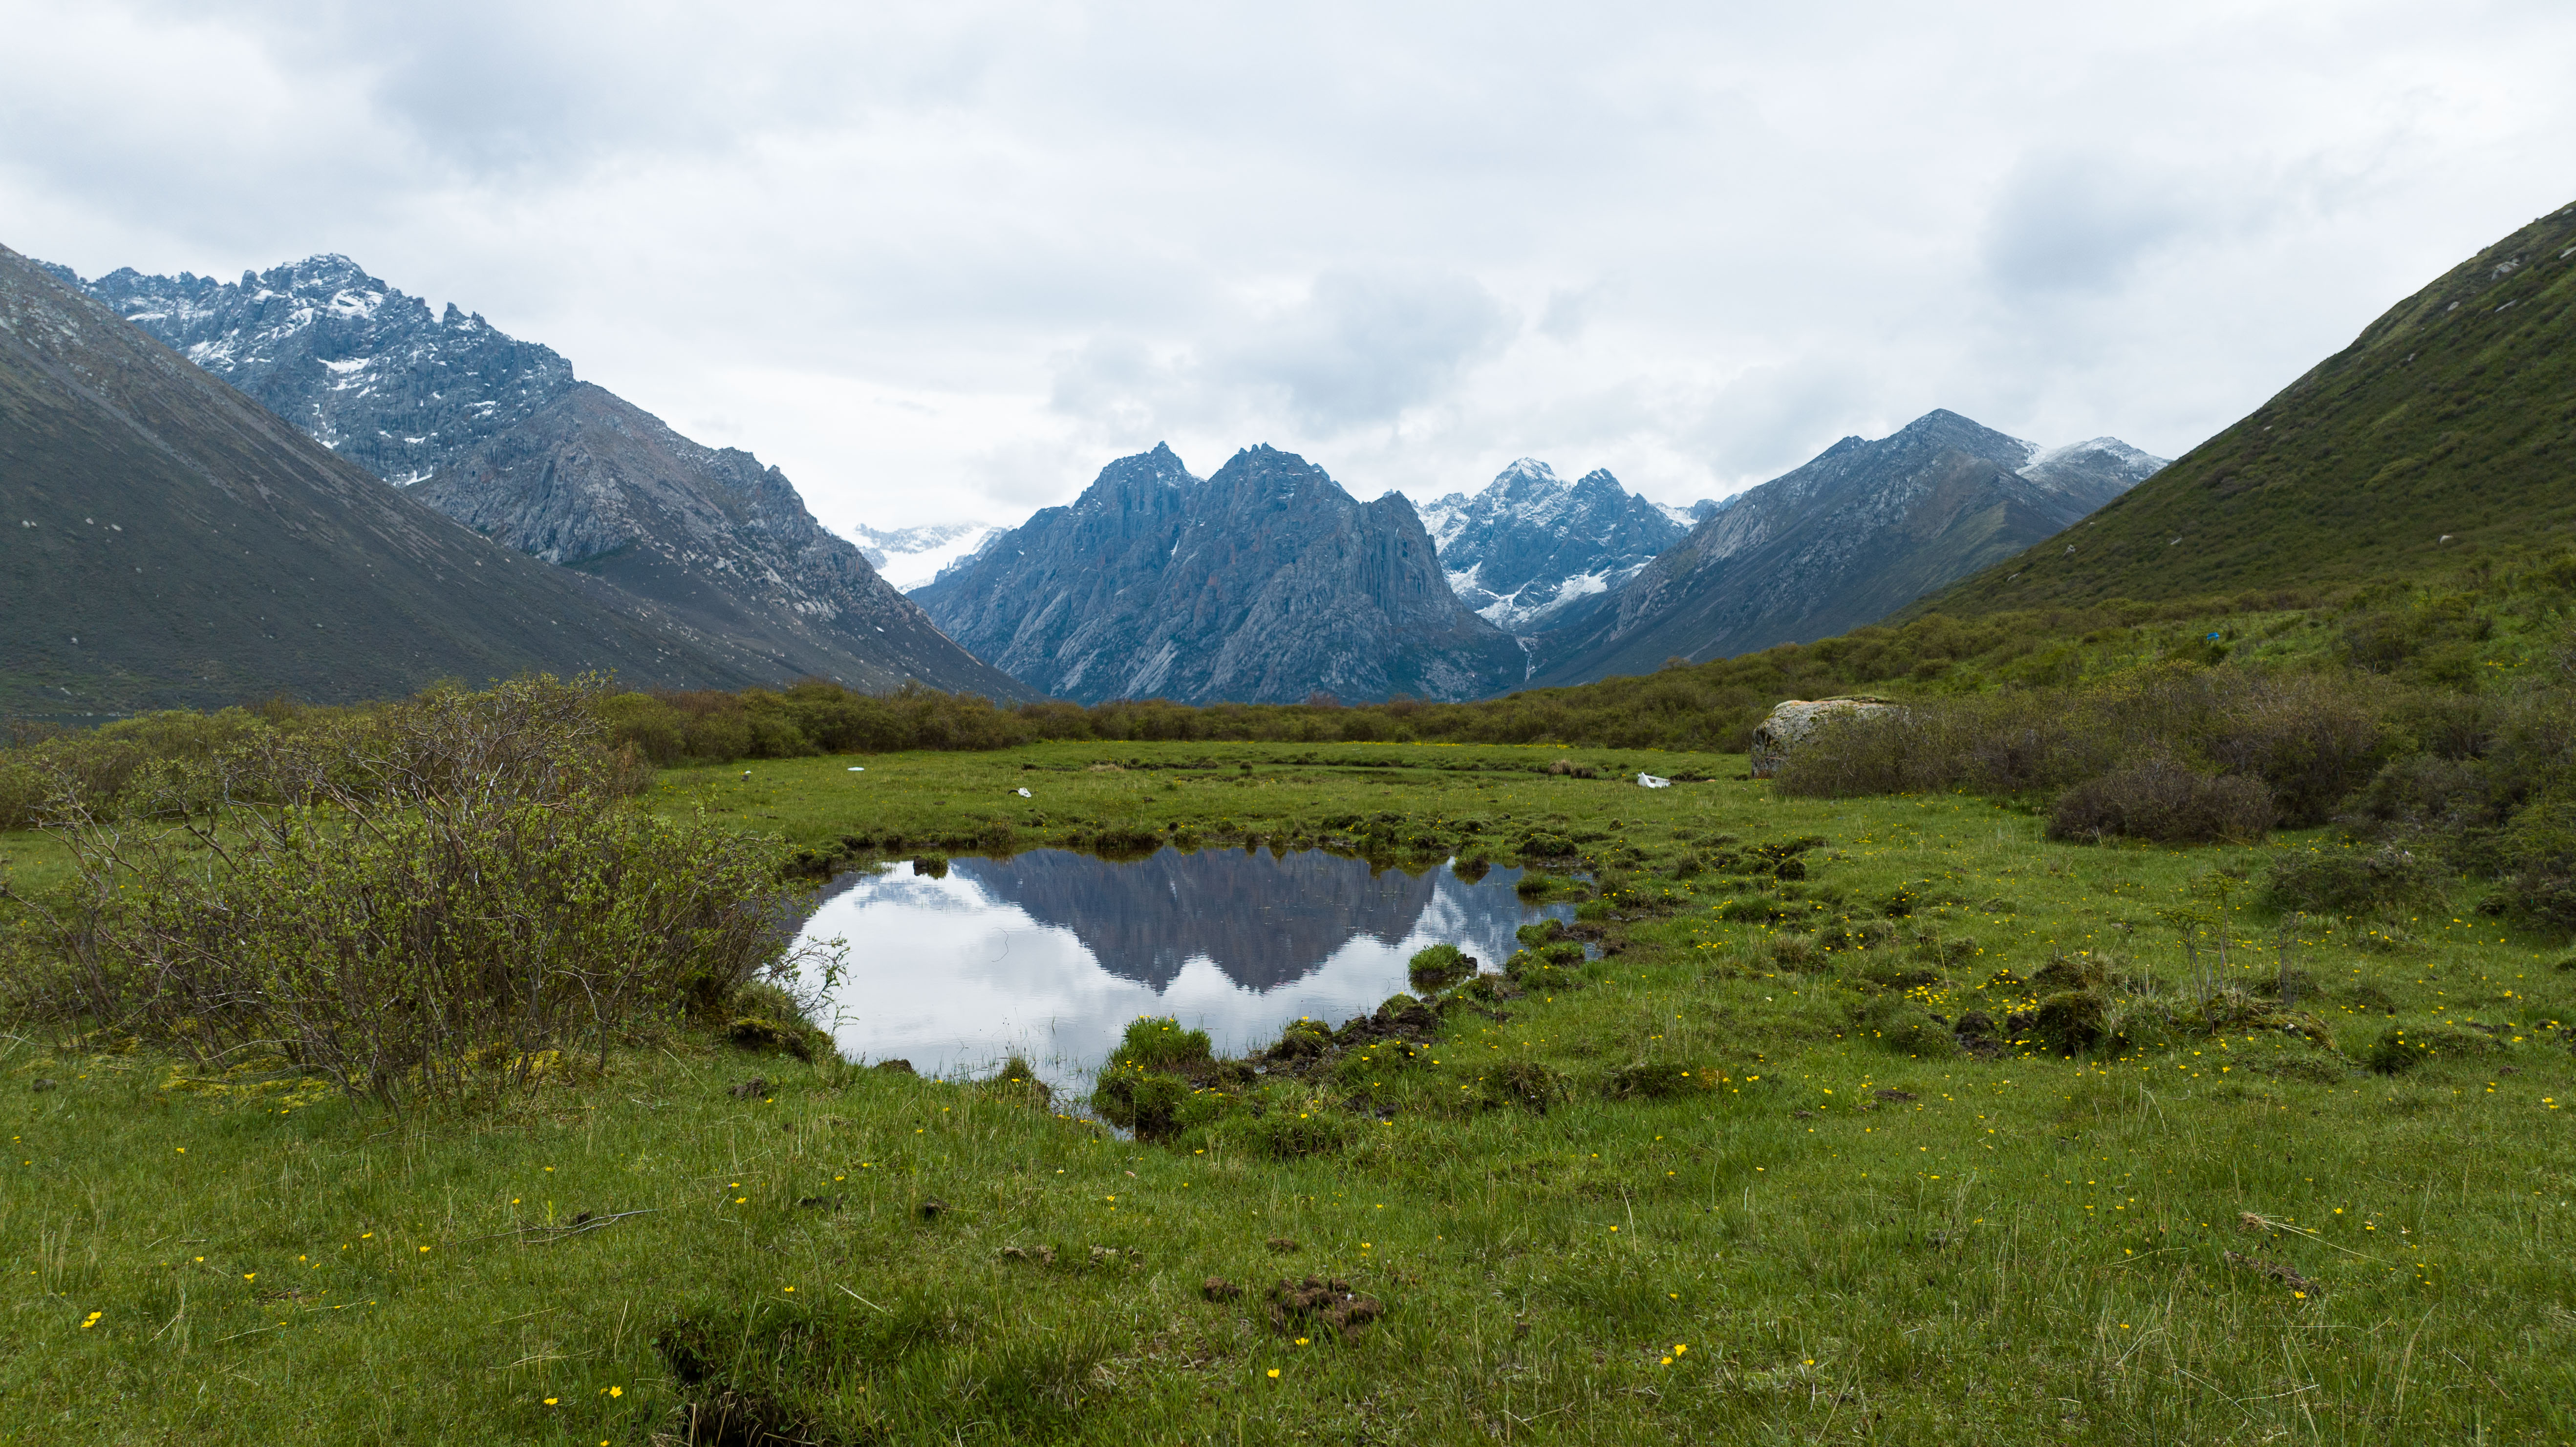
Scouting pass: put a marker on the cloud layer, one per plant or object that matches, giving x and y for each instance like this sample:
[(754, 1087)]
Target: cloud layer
[(944, 261)]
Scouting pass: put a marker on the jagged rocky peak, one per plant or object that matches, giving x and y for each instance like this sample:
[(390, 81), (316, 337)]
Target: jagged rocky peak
[(363, 368), (1532, 550), (1264, 582)]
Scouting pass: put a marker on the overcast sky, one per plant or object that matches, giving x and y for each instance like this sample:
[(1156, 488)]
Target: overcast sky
[(944, 261)]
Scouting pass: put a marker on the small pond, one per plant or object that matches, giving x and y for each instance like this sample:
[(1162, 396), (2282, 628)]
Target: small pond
[(1050, 953)]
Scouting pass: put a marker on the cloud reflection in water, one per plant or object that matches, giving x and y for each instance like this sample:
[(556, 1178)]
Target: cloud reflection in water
[(1051, 953)]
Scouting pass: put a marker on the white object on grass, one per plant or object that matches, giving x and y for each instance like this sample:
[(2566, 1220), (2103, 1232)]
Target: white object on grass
[(855, 769), (1649, 781), (1025, 794)]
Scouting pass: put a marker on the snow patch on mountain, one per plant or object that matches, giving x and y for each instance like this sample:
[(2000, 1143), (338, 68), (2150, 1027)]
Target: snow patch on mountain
[(361, 367), (911, 557), (2090, 465)]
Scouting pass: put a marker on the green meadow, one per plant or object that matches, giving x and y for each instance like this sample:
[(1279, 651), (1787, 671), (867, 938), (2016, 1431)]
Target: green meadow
[(2302, 1178)]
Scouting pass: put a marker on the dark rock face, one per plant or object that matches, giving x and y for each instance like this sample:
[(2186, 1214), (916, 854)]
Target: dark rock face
[(169, 542), (365, 370), (1850, 537), (1533, 552), (1264, 583), (594, 482)]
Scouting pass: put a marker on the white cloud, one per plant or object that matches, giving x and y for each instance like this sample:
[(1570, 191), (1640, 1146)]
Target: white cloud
[(946, 260)]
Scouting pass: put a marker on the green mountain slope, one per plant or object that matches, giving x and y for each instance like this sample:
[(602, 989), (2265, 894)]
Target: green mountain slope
[(2448, 426), (165, 540)]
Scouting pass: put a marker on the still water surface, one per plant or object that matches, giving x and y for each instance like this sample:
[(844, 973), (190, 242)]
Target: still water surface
[(1049, 954)]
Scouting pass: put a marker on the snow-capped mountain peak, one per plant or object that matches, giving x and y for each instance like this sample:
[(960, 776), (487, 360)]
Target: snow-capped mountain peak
[(2097, 462), (1531, 546), (365, 369)]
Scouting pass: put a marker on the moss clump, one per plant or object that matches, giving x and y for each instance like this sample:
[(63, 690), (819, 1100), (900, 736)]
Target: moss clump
[(1437, 968), (1523, 1083), (1652, 1080), (2072, 1022), (2400, 1049)]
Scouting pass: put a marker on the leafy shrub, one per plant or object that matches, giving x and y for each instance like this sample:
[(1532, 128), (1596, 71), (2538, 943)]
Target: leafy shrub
[(2162, 800), (428, 898), (2540, 853), (2383, 881)]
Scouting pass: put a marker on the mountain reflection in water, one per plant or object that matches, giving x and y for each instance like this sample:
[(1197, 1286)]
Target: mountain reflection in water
[(1051, 953)]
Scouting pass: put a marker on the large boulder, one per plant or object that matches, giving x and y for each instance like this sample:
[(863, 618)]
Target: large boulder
[(1791, 723)]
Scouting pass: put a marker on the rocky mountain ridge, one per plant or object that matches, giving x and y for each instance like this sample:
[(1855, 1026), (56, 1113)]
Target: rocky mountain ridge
[(499, 434), (1265, 582), (363, 368), (174, 543), (1856, 533), (592, 482)]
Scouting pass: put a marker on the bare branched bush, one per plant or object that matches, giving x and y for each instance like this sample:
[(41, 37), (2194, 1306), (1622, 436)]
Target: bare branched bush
[(436, 898), (2160, 799), (2301, 742)]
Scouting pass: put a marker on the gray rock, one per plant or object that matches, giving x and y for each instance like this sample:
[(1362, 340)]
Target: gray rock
[(1789, 725)]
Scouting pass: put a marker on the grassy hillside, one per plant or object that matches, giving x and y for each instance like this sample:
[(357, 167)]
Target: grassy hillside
[(2222, 1236), (2448, 427)]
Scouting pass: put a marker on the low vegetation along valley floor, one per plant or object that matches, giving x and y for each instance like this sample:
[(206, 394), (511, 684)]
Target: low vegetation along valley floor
[(1766, 1182)]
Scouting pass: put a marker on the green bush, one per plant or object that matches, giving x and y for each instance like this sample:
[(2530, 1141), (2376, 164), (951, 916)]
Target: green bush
[(2383, 881), (440, 893)]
